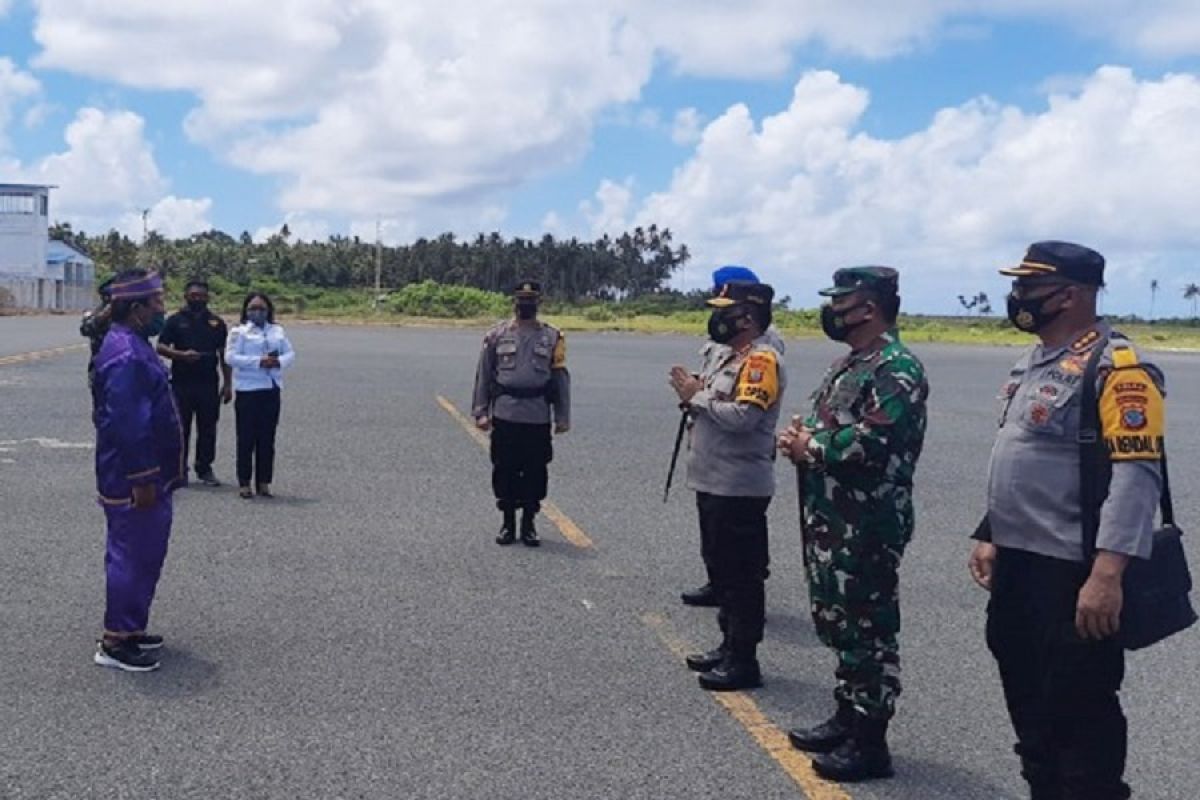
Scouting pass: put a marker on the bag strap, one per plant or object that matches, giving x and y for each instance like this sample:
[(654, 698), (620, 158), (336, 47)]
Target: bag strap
[(1093, 459), (1090, 462)]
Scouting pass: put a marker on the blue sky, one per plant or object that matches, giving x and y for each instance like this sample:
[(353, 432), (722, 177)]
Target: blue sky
[(937, 140)]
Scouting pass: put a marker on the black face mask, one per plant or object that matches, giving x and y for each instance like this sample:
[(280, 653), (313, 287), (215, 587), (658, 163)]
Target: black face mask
[(834, 322), (197, 306), (725, 324), (1029, 314), (526, 310)]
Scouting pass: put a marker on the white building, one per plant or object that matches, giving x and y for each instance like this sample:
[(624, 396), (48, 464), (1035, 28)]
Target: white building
[(28, 278)]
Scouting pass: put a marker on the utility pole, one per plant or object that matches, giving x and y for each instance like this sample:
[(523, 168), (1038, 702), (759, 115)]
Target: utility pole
[(378, 258)]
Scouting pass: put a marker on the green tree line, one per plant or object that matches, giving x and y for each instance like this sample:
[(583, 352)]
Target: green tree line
[(632, 265)]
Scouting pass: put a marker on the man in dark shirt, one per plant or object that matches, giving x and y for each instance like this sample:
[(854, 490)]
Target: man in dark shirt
[(194, 341), (95, 324)]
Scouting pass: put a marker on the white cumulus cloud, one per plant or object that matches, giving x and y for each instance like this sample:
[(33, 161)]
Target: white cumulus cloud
[(427, 112), (16, 87), (803, 191), (107, 175), (613, 203), (172, 217)]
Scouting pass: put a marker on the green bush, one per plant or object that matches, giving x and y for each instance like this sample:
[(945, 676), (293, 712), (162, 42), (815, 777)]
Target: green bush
[(599, 314), (430, 299)]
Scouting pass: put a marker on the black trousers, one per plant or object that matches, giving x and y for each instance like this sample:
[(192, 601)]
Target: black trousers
[(733, 542), (520, 455), (257, 418), (1061, 690), (200, 401)]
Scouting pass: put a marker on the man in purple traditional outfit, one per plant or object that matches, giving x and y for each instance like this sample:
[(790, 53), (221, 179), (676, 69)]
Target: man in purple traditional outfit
[(139, 463)]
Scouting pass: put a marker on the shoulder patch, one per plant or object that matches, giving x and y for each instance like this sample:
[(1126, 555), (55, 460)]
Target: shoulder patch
[(758, 380), (1132, 415), (559, 359)]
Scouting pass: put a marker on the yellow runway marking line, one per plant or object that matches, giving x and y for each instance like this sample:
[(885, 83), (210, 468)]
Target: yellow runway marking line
[(746, 712), (37, 355), (566, 526)]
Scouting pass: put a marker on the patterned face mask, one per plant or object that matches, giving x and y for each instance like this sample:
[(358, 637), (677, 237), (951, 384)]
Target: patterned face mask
[(1029, 313), (834, 322)]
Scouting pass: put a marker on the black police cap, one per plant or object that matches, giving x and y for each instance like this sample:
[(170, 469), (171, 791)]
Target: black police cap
[(1062, 260), (735, 292)]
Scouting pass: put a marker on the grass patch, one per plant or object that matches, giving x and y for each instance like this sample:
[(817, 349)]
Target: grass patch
[(432, 304)]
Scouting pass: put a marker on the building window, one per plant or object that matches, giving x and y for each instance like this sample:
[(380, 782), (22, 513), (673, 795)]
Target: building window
[(17, 203), (44, 204)]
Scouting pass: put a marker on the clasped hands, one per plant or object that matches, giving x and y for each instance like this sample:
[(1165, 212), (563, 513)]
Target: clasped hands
[(793, 441)]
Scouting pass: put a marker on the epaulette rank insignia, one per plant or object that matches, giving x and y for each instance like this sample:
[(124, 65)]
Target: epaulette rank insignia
[(1085, 342)]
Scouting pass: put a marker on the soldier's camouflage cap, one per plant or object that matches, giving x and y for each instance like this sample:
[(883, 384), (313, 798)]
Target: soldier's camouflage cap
[(735, 292), (530, 290), (884, 280), (1060, 260)]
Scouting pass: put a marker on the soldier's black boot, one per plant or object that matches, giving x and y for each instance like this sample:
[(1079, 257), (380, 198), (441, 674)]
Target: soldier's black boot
[(736, 671), (529, 536), (705, 595), (508, 530), (863, 756), (826, 736), (703, 662)]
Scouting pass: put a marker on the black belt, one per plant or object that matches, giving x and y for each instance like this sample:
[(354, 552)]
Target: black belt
[(523, 393)]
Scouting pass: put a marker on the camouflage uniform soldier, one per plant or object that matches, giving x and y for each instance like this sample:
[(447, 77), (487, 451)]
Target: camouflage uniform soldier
[(858, 450), (522, 381)]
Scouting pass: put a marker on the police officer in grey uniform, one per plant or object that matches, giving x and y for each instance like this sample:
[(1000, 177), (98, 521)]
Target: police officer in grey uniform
[(734, 406), (711, 353), (521, 387), (1052, 615)]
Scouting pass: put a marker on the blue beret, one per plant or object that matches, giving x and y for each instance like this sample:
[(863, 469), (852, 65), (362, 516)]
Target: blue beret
[(732, 272)]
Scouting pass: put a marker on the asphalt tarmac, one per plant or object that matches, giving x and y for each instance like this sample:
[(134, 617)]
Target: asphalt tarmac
[(361, 635)]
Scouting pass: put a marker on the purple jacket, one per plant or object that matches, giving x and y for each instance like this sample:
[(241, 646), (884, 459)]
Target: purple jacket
[(138, 436)]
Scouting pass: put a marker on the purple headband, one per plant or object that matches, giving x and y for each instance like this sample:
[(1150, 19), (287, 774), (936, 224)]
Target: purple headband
[(137, 289)]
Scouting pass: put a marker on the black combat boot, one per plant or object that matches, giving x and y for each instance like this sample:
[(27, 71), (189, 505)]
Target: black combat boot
[(708, 660), (529, 536), (862, 757), (705, 595), (508, 530), (739, 670), (828, 735)]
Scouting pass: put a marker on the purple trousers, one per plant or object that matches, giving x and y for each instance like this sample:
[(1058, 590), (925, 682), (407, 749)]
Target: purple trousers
[(137, 547)]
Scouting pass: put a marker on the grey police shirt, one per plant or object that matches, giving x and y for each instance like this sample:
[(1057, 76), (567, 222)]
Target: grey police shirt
[(524, 358), (731, 449), (1033, 482)]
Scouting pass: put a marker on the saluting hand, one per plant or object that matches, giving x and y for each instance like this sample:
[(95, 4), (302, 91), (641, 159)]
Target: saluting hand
[(981, 563)]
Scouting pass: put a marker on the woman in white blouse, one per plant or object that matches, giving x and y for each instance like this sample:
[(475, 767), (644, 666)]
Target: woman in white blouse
[(259, 352)]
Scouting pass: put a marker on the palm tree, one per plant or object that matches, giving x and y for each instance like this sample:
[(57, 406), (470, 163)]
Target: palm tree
[(1153, 295), (1192, 292)]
